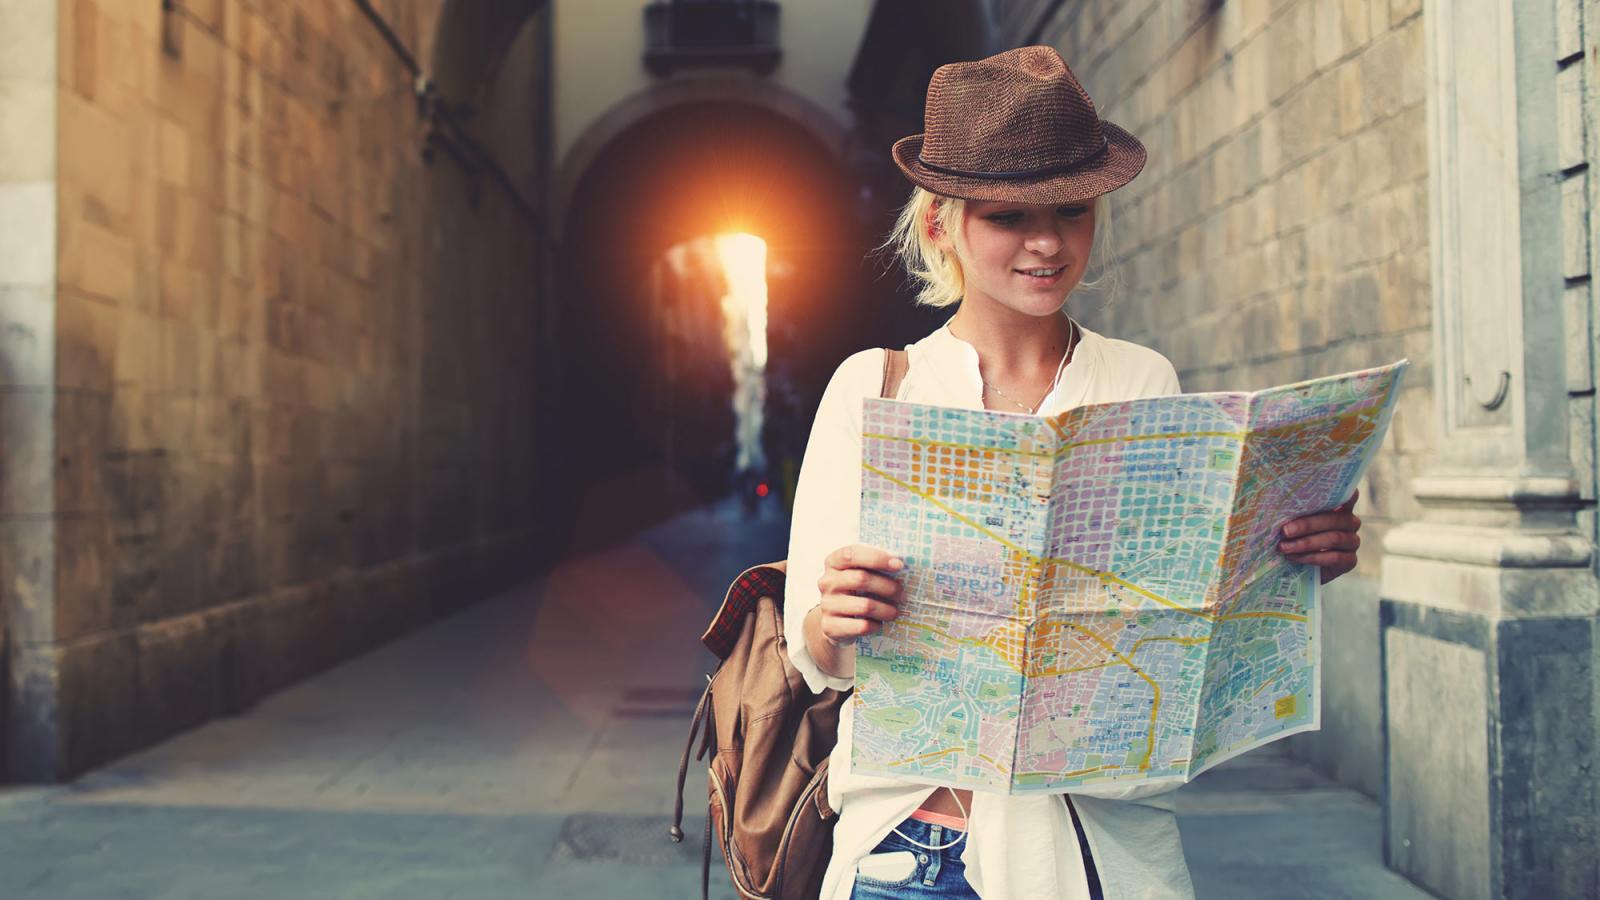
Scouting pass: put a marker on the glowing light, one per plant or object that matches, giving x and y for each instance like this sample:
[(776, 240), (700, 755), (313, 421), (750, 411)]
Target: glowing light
[(762, 490), (744, 310), (744, 262)]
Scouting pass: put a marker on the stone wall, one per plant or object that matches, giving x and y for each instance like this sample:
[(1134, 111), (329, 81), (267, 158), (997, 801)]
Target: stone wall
[(27, 352), (1279, 232), (283, 429)]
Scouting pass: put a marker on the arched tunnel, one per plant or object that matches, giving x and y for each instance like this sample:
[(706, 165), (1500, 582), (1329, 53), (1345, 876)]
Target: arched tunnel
[(632, 389), (695, 171)]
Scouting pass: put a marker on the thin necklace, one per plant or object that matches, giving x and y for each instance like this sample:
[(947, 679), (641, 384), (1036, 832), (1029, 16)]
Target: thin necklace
[(1072, 342)]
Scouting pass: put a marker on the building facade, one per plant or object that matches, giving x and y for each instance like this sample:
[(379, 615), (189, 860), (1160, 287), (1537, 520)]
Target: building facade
[(1341, 184)]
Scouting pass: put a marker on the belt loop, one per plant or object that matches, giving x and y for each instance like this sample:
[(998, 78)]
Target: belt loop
[(935, 857)]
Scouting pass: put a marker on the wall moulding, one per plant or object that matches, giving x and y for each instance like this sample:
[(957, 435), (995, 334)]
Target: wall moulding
[(1541, 504), (1475, 159), (1490, 546)]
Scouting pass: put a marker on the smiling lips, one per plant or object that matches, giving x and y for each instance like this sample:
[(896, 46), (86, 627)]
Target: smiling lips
[(1042, 275)]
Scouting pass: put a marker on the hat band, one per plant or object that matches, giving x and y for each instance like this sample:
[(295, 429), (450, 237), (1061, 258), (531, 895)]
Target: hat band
[(1018, 176)]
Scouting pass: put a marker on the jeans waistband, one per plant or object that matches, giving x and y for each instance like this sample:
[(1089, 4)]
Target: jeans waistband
[(934, 836)]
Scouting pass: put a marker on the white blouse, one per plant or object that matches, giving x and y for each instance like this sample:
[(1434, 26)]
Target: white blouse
[(1021, 847)]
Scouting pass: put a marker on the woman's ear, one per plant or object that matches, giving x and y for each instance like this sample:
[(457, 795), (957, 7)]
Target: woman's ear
[(934, 227)]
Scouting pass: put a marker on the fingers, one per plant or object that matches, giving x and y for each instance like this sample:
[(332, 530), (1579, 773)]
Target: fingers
[(846, 617), (1347, 541), (843, 631), (859, 569), (854, 607), (1327, 540), (856, 596), (862, 556), (1340, 518), (1333, 520), (858, 581)]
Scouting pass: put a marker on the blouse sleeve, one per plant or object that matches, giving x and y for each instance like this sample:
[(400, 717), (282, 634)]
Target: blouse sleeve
[(1160, 378), (1169, 379), (827, 502)]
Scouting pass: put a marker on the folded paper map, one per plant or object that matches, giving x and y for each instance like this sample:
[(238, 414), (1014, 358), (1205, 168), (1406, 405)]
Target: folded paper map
[(1099, 595)]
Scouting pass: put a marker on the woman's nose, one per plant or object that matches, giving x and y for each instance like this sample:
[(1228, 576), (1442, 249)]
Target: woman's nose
[(1044, 241)]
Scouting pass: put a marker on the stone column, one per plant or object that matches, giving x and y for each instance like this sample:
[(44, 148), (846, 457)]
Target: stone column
[(1489, 599)]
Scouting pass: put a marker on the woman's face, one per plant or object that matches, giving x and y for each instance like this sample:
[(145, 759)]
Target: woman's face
[(1027, 257)]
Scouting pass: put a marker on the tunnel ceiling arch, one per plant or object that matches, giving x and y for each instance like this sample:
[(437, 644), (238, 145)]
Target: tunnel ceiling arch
[(754, 99), (471, 41), (700, 164), (689, 171)]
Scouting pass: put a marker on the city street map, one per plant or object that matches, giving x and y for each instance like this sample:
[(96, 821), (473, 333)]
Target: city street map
[(1099, 596)]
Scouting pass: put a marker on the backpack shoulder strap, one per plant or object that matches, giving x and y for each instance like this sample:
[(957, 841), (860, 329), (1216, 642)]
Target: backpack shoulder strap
[(767, 580), (895, 365)]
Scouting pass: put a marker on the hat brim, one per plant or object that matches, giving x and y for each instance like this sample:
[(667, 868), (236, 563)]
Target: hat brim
[(1122, 161)]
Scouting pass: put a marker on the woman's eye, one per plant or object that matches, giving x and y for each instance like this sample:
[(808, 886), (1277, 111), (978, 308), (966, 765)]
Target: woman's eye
[(1012, 218)]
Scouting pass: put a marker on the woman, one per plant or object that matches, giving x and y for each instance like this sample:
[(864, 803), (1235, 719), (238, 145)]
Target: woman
[(1010, 174)]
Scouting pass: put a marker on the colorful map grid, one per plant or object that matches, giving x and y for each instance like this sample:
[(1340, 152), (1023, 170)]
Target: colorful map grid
[(1098, 596)]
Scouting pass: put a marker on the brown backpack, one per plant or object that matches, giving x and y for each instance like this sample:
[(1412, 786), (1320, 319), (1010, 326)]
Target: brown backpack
[(768, 737)]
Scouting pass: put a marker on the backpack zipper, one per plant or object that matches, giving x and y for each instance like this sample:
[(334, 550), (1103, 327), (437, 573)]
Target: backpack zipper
[(782, 860), (728, 850)]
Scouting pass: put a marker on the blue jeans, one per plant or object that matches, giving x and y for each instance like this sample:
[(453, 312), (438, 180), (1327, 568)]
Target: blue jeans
[(939, 873)]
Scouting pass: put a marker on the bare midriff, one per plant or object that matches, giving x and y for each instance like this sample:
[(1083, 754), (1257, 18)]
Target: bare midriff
[(942, 802)]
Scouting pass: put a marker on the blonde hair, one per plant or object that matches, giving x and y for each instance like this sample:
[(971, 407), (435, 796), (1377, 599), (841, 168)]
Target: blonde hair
[(938, 275)]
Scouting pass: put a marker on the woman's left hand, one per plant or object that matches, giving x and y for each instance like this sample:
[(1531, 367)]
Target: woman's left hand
[(1325, 539)]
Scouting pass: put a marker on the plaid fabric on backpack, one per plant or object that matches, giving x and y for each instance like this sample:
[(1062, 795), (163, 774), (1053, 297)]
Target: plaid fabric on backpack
[(750, 586)]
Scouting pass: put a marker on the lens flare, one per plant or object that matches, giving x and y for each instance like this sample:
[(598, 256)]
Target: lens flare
[(744, 263), (744, 308)]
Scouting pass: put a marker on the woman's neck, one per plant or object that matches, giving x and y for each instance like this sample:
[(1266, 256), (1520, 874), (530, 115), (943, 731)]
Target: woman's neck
[(1012, 345)]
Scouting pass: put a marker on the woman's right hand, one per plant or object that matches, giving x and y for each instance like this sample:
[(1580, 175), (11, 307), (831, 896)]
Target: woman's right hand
[(858, 595)]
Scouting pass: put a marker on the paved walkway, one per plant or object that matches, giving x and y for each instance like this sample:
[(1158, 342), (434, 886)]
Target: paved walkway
[(526, 748)]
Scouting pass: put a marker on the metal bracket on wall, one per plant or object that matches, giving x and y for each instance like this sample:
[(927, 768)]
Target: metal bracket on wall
[(443, 129), (1502, 388)]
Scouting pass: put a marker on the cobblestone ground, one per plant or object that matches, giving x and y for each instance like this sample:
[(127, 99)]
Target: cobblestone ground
[(527, 748)]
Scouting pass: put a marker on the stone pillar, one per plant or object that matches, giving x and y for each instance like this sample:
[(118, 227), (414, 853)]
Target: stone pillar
[(1489, 598)]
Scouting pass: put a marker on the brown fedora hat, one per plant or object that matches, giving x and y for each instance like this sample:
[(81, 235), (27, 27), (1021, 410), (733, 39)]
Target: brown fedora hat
[(1016, 127)]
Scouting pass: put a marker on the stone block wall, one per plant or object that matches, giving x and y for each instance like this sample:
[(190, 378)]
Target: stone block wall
[(1279, 232), (27, 322), (290, 408)]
